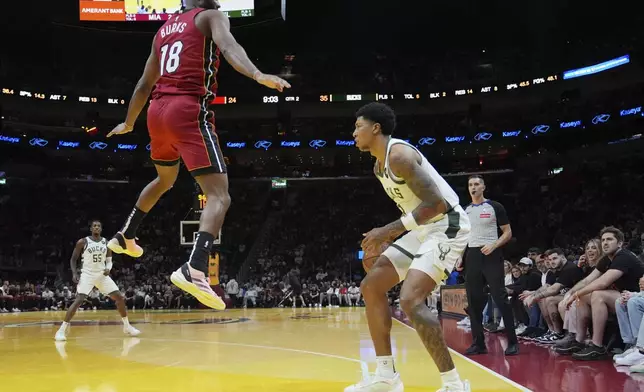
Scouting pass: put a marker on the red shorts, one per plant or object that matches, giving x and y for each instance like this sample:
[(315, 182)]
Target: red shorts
[(182, 127)]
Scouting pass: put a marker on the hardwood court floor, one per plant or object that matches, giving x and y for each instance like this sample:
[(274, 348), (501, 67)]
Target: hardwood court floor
[(237, 350)]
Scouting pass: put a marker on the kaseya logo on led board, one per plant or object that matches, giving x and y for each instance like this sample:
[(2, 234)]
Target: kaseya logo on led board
[(290, 144), (454, 139), (130, 147), (67, 144), (345, 143), (235, 144), (570, 124), (511, 133), (630, 112), (9, 139)]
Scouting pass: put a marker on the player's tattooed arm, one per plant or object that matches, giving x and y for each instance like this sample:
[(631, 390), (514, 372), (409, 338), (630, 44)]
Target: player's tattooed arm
[(405, 163)]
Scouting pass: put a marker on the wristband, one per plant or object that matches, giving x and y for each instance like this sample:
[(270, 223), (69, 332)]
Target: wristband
[(409, 222)]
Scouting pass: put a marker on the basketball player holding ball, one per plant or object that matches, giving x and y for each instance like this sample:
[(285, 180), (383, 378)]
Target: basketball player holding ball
[(436, 232)]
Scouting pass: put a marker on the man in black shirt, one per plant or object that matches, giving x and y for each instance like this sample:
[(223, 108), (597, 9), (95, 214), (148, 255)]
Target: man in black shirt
[(565, 274), (619, 270)]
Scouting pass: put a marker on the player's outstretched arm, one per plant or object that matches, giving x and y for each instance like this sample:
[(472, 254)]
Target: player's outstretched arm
[(142, 91), (219, 26), (73, 261)]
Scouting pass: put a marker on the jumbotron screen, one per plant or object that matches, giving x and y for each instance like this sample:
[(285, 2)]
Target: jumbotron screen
[(151, 10)]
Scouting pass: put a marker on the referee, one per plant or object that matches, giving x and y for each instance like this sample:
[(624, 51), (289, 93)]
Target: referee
[(484, 264)]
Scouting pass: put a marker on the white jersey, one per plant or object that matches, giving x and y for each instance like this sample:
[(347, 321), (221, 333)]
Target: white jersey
[(94, 256), (407, 201)]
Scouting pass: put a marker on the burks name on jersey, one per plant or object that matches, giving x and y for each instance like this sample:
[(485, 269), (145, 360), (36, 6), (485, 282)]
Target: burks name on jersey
[(173, 28)]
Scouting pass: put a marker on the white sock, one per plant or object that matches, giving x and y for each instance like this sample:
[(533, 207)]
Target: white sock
[(126, 322), (385, 366), (451, 379), (64, 325)]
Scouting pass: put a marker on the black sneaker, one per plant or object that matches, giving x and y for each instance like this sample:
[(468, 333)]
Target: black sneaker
[(491, 327), (475, 349), (591, 353), (536, 334), (569, 347), (527, 332), (544, 337), (513, 349), (550, 338)]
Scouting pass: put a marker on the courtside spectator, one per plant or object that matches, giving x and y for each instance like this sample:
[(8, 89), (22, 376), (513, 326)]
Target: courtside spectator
[(630, 309), (566, 275), (617, 271)]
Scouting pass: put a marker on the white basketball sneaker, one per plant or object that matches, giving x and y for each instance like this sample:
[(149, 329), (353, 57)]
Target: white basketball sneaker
[(375, 383), (61, 334), (464, 388), (131, 331)]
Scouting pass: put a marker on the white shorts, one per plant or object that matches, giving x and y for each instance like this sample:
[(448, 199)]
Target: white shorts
[(103, 283), (433, 249)]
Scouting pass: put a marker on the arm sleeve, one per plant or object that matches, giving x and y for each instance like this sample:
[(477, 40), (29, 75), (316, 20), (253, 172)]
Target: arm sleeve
[(501, 214)]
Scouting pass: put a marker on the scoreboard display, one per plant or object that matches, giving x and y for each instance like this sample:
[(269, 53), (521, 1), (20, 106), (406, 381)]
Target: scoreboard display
[(152, 10)]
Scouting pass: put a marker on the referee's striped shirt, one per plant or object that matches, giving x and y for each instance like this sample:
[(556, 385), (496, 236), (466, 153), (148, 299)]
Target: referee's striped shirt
[(486, 219)]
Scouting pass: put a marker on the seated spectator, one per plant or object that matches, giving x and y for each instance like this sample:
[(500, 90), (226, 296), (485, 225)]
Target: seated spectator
[(343, 297), (354, 294), (314, 295), (566, 275), (587, 263), (530, 280), (630, 309), (6, 299), (47, 299), (250, 294), (617, 271)]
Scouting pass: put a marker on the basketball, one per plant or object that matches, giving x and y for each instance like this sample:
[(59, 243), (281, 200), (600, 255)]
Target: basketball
[(371, 256)]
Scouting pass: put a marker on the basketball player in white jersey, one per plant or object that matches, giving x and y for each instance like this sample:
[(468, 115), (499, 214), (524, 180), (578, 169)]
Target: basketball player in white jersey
[(437, 230), (95, 272)]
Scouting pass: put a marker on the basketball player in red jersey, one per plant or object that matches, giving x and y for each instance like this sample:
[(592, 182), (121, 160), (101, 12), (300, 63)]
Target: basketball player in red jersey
[(182, 70)]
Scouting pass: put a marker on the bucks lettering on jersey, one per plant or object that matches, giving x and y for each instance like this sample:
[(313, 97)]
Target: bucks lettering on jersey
[(94, 255), (398, 190)]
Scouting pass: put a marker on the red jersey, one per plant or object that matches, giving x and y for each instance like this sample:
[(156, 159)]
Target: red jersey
[(189, 61)]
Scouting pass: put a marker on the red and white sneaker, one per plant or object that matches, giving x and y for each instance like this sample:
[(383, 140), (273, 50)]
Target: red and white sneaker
[(196, 283), (121, 245)]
